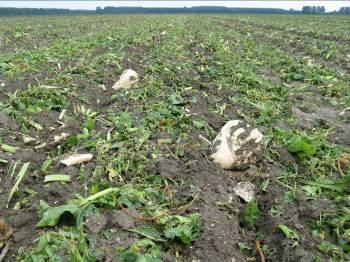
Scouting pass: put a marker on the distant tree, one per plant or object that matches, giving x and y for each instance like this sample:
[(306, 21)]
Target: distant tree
[(12, 11), (319, 10), (98, 10), (307, 10), (313, 10), (344, 11)]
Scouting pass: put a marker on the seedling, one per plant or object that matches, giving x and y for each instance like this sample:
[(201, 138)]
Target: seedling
[(251, 213), (289, 233)]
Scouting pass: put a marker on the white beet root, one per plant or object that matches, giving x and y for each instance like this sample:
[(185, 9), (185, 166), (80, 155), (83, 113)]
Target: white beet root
[(60, 137), (236, 145), (76, 159), (126, 80)]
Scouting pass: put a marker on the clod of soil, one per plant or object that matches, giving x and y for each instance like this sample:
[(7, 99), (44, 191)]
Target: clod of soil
[(120, 219), (245, 190), (95, 222)]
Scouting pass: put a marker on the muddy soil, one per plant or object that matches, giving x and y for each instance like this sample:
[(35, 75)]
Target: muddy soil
[(313, 111)]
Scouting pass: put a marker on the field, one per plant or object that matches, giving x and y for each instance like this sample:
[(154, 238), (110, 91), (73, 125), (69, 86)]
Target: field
[(150, 191)]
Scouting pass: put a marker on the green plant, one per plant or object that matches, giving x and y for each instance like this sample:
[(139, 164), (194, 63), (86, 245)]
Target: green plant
[(251, 213)]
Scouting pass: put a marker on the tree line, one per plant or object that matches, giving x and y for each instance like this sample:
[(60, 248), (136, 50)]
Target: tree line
[(344, 11), (194, 9), (321, 10), (12, 11), (313, 10)]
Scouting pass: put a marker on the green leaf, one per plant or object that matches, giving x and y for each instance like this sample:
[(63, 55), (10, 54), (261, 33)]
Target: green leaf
[(289, 233), (46, 165), (72, 140), (198, 124), (140, 251), (35, 125), (243, 247), (89, 124), (52, 215), (176, 99), (340, 185), (301, 146), (43, 206), (186, 229), (297, 76), (101, 194), (310, 190), (57, 178), (4, 66), (8, 148), (250, 213), (3, 161), (183, 232), (150, 233), (264, 185), (19, 178)]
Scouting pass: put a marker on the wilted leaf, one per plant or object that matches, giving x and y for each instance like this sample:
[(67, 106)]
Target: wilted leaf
[(149, 232), (52, 215)]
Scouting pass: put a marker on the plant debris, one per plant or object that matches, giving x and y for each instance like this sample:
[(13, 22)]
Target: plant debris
[(76, 159)]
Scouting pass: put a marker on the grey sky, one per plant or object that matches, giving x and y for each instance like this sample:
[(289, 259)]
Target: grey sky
[(297, 5)]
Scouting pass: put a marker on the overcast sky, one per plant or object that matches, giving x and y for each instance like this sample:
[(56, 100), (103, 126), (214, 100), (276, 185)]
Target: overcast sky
[(297, 5)]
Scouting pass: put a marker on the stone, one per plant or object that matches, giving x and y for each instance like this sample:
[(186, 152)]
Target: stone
[(245, 190)]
